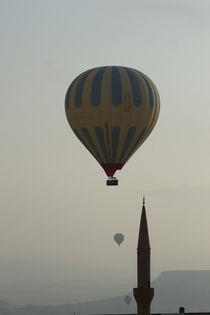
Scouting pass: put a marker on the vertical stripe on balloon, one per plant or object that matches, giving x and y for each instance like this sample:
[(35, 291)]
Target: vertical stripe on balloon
[(95, 97), (67, 98), (116, 89), (135, 146), (150, 90), (100, 136), (115, 141), (136, 89), (79, 88), (83, 142), (91, 143), (130, 133), (80, 138)]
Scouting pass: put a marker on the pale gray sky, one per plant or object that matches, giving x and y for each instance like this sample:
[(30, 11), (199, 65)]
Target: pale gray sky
[(54, 204)]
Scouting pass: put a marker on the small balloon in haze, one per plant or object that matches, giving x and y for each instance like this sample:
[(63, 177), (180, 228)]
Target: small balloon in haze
[(127, 299), (119, 238)]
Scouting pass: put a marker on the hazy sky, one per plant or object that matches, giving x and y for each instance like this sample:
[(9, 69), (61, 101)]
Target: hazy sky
[(55, 206)]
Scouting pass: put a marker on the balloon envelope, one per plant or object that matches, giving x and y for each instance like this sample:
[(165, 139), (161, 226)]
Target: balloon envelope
[(119, 238), (112, 110), (127, 299)]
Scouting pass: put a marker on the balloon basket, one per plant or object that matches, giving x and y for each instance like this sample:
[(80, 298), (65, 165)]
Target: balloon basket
[(112, 181)]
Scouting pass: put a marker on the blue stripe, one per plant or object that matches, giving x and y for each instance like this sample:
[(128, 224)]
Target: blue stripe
[(91, 143), (150, 90), (115, 142), (116, 90), (79, 88), (80, 138), (100, 135), (67, 98), (136, 144), (130, 133), (136, 89), (95, 97), (67, 103)]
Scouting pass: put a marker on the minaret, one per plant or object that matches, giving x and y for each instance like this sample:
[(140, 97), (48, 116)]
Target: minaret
[(143, 293)]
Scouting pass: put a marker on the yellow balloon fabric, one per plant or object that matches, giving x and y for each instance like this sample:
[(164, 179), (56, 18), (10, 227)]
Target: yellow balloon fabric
[(112, 110)]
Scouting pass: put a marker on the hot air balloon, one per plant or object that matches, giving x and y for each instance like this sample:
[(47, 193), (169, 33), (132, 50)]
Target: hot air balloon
[(119, 238), (112, 110), (127, 299)]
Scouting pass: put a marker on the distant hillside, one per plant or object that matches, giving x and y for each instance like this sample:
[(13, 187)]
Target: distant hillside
[(173, 289), (190, 289), (109, 306), (26, 282)]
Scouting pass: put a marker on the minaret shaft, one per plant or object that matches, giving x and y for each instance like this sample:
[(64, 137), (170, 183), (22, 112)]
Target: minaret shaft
[(143, 268), (143, 293)]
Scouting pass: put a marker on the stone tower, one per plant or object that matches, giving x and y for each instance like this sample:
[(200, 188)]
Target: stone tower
[(143, 293)]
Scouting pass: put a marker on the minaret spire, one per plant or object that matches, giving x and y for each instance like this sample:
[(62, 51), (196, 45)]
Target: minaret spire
[(143, 293)]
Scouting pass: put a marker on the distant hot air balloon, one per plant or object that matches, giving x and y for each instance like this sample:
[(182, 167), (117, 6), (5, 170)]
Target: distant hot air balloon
[(112, 110), (119, 238), (127, 299)]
